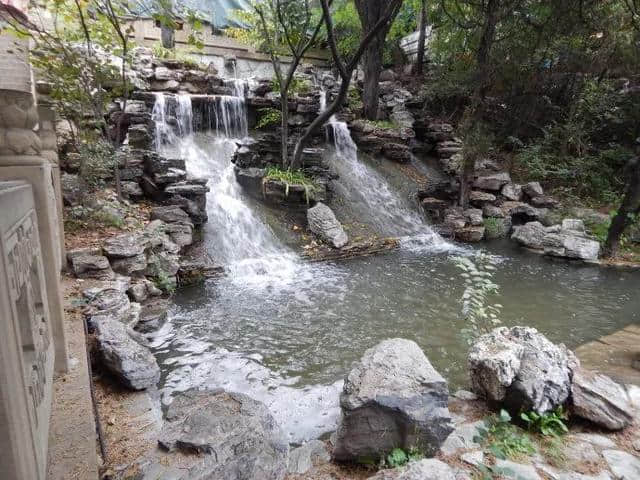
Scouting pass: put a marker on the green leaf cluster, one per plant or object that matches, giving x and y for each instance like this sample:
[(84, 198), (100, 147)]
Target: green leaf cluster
[(548, 423)]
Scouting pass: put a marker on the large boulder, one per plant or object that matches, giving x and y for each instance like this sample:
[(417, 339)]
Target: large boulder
[(235, 437), (598, 398), (170, 214), (392, 398), (530, 235), (324, 223), (131, 363), (426, 469), (519, 368)]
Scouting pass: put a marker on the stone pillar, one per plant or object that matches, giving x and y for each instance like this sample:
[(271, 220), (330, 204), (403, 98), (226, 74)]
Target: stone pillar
[(48, 139), (26, 343), (21, 159)]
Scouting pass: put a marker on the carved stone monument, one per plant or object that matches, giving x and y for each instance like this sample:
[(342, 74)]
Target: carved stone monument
[(26, 344)]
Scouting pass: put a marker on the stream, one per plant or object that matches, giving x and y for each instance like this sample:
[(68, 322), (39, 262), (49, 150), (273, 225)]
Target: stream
[(286, 332)]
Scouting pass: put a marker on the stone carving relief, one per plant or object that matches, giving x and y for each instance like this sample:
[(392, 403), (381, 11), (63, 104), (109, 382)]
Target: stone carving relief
[(18, 118), (24, 272)]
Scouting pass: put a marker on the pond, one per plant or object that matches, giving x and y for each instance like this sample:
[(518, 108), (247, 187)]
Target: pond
[(286, 332)]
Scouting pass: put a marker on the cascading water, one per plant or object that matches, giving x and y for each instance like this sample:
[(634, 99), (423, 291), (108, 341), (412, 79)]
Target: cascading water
[(238, 237), (369, 194)]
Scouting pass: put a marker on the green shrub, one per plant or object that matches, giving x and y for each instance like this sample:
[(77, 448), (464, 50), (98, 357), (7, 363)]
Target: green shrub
[(291, 177), (503, 439), (548, 424), (268, 117), (494, 227), (98, 161), (399, 457)]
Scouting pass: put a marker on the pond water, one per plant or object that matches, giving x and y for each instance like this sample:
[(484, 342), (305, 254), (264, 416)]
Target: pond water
[(286, 332)]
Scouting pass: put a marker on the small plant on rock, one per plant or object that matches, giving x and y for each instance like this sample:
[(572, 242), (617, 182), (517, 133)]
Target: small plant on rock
[(268, 117), (548, 424), (291, 177), (503, 439), (399, 457)]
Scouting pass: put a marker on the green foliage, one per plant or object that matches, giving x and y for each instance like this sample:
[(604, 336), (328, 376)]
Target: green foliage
[(98, 161), (494, 227), (291, 177), (354, 99), (477, 273), (399, 457), (548, 424), (491, 472), (298, 85), (268, 117), (503, 439), (164, 282)]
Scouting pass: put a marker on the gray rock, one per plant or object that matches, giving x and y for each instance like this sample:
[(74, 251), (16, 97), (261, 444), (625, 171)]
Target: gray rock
[(512, 191), (570, 245), (235, 436), (132, 190), (170, 214), (138, 292), (520, 471), (533, 189), (152, 316), (392, 397), (465, 395), (124, 246), (474, 216), (519, 367), (462, 438), (473, 458), (110, 299), (469, 234), (427, 469), (180, 233), (623, 465), (554, 474), (573, 224), (162, 264), (87, 265), (324, 223), (134, 365), (311, 454), (130, 265), (492, 182), (595, 439), (530, 235), (478, 197), (599, 399), (544, 201)]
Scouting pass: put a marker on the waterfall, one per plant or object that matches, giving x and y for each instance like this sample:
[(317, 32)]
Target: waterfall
[(235, 234), (371, 196)]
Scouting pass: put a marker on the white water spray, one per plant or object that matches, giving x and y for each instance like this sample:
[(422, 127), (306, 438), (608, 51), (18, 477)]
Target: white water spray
[(371, 196), (238, 237)]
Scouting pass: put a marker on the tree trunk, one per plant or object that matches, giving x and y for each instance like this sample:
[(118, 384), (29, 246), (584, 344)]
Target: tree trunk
[(630, 206), (284, 137), (474, 115), (370, 13), (319, 121), (422, 38)]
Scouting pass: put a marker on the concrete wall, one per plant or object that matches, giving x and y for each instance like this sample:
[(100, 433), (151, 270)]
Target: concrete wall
[(219, 50)]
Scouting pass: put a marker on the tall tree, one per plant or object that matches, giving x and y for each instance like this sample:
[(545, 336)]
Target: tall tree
[(286, 30), (370, 13), (422, 38), (345, 67)]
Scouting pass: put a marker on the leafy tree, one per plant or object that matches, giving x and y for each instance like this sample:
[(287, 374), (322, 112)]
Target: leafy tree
[(345, 67), (370, 13), (283, 29)]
